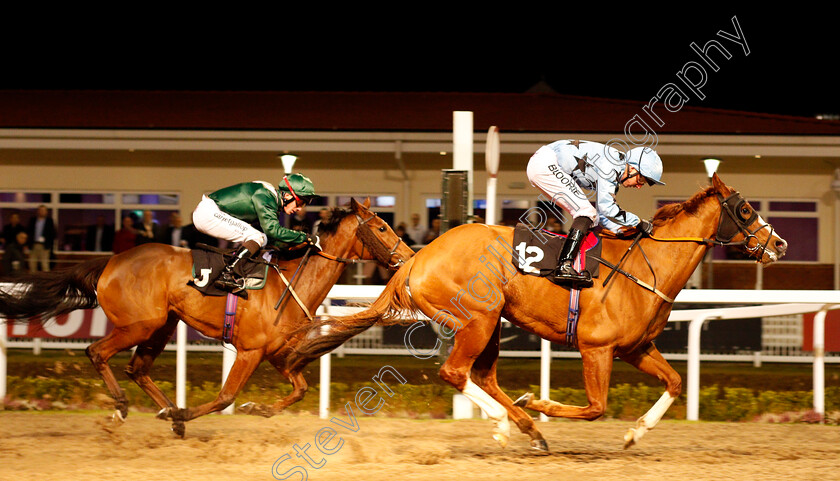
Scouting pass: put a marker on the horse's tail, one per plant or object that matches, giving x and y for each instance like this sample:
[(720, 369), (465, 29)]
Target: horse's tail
[(393, 306), (53, 293)]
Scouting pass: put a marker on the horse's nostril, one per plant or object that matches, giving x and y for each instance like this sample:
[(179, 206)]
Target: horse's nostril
[(781, 245)]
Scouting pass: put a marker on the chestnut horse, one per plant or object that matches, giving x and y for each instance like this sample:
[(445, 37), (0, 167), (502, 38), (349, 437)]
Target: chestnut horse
[(460, 282), (144, 293)]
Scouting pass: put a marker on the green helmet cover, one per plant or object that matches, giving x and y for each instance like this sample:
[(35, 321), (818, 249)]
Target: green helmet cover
[(300, 184)]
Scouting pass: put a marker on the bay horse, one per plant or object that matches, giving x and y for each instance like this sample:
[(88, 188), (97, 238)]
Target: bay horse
[(144, 293), (459, 282)]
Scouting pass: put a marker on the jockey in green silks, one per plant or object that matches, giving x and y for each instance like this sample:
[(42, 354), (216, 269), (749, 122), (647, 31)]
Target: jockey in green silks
[(229, 212)]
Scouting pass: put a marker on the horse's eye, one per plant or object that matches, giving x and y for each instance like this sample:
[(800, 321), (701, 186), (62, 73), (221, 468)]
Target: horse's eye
[(382, 229)]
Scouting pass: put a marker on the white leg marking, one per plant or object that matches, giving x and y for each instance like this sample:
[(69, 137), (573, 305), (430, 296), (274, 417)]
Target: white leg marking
[(649, 420), (492, 408), (117, 417)]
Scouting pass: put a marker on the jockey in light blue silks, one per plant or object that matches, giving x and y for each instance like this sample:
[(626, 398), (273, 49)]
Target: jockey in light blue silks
[(562, 168)]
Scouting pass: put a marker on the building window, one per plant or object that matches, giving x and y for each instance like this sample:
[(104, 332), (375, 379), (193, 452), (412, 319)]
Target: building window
[(78, 214)]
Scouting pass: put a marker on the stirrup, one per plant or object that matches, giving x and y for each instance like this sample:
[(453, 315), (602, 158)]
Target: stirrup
[(571, 276), (227, 282)]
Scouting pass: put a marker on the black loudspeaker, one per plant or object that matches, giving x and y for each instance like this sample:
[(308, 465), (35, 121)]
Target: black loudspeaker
[(454, 201)]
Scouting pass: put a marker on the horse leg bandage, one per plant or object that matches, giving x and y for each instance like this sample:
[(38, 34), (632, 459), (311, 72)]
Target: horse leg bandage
[(649, 420), (492, 408)]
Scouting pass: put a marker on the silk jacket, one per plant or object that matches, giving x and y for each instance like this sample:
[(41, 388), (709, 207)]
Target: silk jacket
[(598, 168), (258, 201)]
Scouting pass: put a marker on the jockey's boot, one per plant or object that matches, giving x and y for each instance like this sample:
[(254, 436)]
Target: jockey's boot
[(565, 272), (227, 280)]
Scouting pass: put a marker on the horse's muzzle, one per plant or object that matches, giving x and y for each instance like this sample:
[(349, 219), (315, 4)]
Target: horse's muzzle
[(769, 254)]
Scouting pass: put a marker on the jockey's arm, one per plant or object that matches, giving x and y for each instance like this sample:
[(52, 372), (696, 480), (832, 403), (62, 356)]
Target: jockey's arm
[(610, 215)]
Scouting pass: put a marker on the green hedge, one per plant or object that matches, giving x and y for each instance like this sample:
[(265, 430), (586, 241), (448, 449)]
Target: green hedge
[(627, 402)]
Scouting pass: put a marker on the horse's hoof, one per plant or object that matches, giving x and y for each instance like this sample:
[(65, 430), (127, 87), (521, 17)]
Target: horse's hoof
[(117, 418), (255, 409), (630, 438), (163, 414), (501, 439), (501, 433), (112, 422), (179, 429), (524, 399), (635, 434), (539, 445)]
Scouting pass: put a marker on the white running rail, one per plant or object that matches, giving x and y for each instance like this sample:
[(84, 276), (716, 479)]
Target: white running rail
[(768, 303)]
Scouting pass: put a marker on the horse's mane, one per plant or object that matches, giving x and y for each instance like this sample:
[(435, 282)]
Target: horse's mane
[(690, 207), (325, 229), (330, 226)]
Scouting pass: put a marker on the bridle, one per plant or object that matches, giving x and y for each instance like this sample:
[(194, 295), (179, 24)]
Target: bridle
[(364, 232), (731, 223), (735, 222)]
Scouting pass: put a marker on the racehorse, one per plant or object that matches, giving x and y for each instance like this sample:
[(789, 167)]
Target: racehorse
[(144, 293), (460, 282)]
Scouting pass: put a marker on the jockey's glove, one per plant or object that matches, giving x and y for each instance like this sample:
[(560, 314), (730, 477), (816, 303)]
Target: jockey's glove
[(645, 226)]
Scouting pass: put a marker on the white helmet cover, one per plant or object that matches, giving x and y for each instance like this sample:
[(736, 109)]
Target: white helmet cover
[(647, 162)]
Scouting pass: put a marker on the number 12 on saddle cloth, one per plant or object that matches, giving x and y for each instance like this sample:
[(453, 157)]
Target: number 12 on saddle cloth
[(535, 252)]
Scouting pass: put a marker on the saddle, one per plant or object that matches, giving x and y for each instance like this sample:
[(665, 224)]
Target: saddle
[(536, 251), (208, 263)]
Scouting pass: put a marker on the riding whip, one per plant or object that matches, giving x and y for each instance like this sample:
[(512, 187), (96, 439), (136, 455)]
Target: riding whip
[(292, 280)]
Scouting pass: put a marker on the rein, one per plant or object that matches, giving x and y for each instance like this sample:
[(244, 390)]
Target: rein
[(341, 259), (733, 223), (641, 283)]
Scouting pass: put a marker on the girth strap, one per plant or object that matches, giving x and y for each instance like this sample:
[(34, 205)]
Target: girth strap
[(574, 306), (230, 317)]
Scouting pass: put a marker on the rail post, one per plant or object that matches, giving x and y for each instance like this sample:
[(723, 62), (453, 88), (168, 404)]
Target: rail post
[(228, 357), (3, 364), (819, 363), (181, 365), (545, 373), (693, 382), (324, 386)]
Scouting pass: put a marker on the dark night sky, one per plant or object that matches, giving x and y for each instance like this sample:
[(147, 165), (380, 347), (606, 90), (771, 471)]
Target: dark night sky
[(622, 54)]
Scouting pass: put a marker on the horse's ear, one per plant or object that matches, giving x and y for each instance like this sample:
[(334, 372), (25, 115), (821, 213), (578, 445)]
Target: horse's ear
[(719, 186), (356, 206)]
